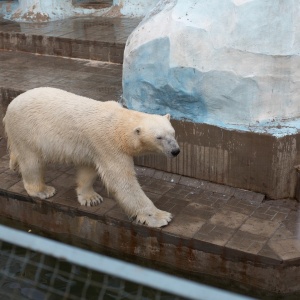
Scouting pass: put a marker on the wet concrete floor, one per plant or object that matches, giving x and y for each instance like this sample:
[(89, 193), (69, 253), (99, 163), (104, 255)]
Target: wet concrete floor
[(112, 30), (94, 79), (95, 38)]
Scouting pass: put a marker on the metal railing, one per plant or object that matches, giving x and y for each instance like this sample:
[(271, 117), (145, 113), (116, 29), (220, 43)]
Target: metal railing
[(33, 267)]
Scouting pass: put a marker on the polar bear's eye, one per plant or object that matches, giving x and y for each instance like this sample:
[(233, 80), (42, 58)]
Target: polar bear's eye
[(159, 137)]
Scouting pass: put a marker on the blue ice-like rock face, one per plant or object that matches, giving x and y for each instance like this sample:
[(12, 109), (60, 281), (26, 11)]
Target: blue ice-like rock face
[(230, 63)]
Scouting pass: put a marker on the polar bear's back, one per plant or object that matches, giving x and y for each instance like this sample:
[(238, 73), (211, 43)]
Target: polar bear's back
[(56, 122), (56, 100)]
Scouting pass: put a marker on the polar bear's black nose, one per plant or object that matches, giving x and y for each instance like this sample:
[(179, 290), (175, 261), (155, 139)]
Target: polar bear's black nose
[(175, 152)]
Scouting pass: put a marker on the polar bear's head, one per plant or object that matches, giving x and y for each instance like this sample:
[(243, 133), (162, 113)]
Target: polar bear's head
[(155, 134)]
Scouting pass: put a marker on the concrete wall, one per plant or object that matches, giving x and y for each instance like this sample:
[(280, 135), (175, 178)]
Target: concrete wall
[(253, 161)]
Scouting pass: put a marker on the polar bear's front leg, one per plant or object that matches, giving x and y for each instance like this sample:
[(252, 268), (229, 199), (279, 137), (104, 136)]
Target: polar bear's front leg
[(128, 193), (86, 177), (137, 205), (153, 217)]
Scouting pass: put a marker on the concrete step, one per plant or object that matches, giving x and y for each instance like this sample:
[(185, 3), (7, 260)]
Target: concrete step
[(95, 79), (23, 71), (95, 38), (228, 233)]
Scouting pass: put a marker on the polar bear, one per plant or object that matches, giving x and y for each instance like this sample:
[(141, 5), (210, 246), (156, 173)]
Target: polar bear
[(47, 125)]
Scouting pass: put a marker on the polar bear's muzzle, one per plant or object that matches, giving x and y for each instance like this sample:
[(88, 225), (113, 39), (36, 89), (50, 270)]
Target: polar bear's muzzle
[(175, 152), (172, 148)]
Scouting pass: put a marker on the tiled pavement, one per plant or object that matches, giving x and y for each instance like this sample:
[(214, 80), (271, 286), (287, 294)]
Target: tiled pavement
[(235, 224), (224, 217), (81, 55), (216, 230), (97, 80)]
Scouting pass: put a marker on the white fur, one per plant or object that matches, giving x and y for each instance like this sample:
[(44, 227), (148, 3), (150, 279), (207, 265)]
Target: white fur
[(46, 125)]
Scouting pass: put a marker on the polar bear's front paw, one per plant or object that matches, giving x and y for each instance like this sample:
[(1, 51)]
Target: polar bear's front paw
[(154, 217), (90, 199), (46, 192)]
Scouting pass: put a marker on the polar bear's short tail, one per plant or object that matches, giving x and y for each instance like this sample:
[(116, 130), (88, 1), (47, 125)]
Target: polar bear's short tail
[(13, 162)]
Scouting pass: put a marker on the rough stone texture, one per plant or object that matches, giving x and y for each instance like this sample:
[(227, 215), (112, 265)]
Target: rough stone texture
[(135, 7), (50, 10), (233, 64), (46, 10), (7, 7)]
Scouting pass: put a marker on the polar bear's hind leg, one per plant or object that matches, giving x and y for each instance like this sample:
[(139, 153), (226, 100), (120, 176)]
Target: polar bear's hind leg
[(32, 170), (86, 177)]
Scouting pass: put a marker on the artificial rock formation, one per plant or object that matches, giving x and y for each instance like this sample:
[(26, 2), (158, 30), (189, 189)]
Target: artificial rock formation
[(230, 63), (50, 10), (135, 8), (41, 11)]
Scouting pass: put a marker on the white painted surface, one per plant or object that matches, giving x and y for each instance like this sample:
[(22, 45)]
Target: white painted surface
[(230, 63)]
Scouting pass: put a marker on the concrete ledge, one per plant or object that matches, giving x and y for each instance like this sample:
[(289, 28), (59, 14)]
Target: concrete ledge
[(248, 160), (217, 230), (58, 46), (95, 38), (108, 227)]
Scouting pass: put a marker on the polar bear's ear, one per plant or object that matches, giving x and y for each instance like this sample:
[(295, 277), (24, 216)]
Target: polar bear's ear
[(168, 116), (137, 130)]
